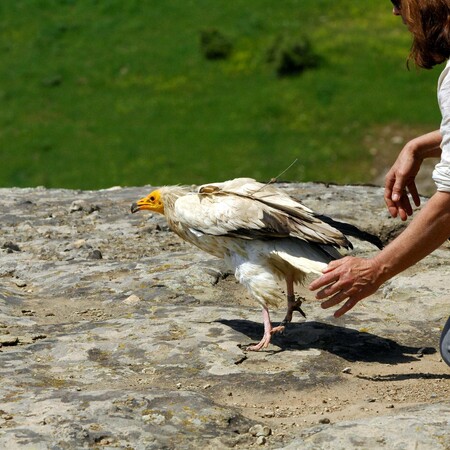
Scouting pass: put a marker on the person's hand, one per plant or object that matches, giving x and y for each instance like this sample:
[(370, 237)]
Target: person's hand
[(399, 181), (348, 279)]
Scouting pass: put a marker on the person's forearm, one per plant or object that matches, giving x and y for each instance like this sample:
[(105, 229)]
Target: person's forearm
[(429, 229), (426, 146)]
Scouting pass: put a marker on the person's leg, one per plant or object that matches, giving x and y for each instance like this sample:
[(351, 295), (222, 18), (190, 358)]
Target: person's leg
[(445, 342)]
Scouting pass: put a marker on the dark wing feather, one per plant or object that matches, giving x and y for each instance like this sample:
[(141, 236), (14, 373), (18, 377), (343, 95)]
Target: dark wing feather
[(351, 230)]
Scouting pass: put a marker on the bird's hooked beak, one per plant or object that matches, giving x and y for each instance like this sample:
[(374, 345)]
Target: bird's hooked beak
[(152, 202)]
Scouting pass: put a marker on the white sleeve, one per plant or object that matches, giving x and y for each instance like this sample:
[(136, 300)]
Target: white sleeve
[(441, 174)]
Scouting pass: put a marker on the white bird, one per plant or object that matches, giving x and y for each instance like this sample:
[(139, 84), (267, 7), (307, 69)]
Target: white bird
[(262, 233)]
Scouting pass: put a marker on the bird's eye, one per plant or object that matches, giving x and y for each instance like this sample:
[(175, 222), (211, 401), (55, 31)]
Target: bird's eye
[(152, 199)]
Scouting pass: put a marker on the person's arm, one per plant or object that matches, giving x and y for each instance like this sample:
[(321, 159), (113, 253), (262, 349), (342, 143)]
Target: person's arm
[(353, 279), (401, 177)]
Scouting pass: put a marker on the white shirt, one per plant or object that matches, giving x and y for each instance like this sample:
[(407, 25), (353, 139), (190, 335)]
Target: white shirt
[(441, 174)]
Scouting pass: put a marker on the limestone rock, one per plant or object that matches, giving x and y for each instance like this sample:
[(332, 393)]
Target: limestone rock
[(142, 345)]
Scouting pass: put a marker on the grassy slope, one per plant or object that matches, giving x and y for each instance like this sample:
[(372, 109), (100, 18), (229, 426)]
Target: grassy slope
[(98, 93)]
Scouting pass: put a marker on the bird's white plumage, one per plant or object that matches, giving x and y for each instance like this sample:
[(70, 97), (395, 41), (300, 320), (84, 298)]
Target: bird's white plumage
[(260, 231), (263, 234), (250, 210)]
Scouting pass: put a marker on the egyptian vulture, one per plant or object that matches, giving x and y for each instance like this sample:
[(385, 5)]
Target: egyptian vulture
[(262, 233)]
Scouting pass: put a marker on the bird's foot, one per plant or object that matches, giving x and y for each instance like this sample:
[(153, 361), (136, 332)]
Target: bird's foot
[(279, 329), (265, 341), (297, 307), (293, 305)]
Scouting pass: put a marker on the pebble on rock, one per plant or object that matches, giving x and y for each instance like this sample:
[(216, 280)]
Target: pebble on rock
[(11, 247), (95, 254), (20, 283), (260, 430), (132, 300), (7, 340), (261, 440)]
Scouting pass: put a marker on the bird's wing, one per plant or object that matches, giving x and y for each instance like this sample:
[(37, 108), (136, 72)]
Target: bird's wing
[(218, 214), (252, 188), (247, 209), (267, 193)]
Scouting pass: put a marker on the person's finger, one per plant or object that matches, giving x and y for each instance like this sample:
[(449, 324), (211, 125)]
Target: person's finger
[(328, 291), (323, 283), (402, 213), (393, 210), (398, 189), (412, 188), (334, 300), (389, 182), (324, 280), (406, 204), (404, 207), (388, 187), (348, 305)]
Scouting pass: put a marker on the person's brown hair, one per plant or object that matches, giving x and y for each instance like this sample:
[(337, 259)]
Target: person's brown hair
[(429, 23)]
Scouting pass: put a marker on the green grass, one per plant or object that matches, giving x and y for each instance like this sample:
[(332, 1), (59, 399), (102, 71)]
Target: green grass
[(116, 92)]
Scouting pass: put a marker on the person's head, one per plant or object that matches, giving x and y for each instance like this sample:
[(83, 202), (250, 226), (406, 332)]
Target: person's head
[(429, 23)]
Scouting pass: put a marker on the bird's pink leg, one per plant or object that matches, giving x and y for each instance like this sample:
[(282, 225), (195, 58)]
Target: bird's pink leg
[(268, 331)]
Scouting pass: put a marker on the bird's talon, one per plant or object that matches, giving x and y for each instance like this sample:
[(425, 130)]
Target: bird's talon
[(279, 329), (300, 310), (296, 306), (284, 324), (255, 347)]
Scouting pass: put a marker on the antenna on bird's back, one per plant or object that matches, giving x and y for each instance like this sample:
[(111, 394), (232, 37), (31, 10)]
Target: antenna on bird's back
[(274, 180)]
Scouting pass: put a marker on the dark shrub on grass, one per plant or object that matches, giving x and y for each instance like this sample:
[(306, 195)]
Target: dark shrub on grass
[(292, 55), (214, 44)]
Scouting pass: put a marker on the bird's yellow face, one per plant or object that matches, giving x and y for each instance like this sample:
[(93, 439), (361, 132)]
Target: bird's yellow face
[(153, 202)]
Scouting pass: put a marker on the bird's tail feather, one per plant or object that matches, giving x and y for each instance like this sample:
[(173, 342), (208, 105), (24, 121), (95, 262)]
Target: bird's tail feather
[(351, 230), (303, 264)]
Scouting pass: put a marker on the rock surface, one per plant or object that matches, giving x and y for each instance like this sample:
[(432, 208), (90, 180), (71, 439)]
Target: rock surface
[(114, 333)]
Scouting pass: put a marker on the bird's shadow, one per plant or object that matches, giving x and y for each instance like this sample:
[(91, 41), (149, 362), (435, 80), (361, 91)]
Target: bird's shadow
[(347, 343)]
